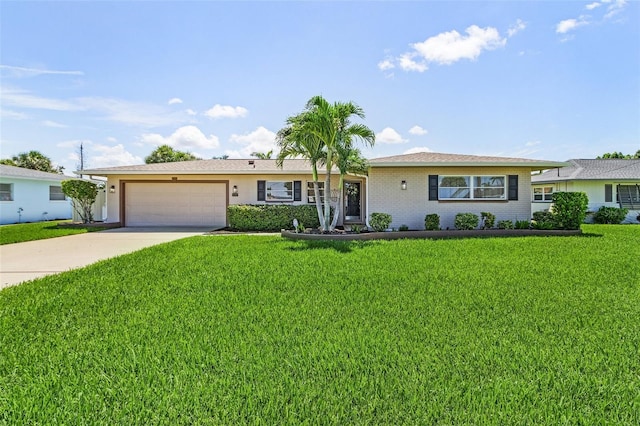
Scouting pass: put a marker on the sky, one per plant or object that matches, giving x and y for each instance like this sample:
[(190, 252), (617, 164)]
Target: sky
[(545, 80)]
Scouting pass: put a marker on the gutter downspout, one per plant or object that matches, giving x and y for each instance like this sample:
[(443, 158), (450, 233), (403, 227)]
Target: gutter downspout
[(366, 216)]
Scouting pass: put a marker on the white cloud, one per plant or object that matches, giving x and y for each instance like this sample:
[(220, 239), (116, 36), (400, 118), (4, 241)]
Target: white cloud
[(593, 5), (31, 72), (571, 24), (449, 47), (389, 135), (112, 139), (516, 28), (417, 149), (50, 123), (111, 156), (186, 137), (174, 101), (72, 143), (615, 8), (13, 115), (191, 112), (133, 113), (417, 130), (226, 111), (385, 65), (24, 99), (407, 63), (533, 143), (260, 140)]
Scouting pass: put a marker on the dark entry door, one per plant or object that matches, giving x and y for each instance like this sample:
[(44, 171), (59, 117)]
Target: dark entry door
[(352, 200)]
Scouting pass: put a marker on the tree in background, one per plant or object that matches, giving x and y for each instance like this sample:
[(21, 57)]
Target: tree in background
[(166, 154), (262, 155), (33, 160), (619, 155), (83, 193)]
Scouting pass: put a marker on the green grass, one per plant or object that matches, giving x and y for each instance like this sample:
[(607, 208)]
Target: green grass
[(261, 330), (22, 232)]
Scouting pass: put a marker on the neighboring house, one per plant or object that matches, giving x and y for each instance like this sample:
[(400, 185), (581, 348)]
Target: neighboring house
[(607, 182), (31, 196), (197, 193)]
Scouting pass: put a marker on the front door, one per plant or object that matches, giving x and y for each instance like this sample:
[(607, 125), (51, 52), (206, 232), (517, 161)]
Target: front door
[(352, 202)]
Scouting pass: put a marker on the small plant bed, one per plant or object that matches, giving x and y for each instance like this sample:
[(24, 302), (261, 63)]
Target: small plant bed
[(434, 235), (90, 225)]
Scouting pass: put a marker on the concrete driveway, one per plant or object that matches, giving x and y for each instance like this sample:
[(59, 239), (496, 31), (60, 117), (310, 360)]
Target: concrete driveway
[(34, 259)]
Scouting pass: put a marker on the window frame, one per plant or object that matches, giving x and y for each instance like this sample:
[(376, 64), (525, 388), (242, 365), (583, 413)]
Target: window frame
[(268, 191), (545, 197), (64, 197), (5, 192), (472, 188), (311, 194)]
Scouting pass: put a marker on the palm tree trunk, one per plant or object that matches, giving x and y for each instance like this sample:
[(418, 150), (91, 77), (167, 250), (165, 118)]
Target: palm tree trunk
[(326, 225), (340, 206)]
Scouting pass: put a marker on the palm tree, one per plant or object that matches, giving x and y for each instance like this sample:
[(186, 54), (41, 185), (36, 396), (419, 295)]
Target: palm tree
[(262, 155), (35, 160), (320, 133), (349, 161)]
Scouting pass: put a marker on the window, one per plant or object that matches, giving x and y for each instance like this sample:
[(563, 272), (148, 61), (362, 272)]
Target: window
[(311, 197), (56, 194), (6, 192), (543, 193), (471, 187), (279, 191)]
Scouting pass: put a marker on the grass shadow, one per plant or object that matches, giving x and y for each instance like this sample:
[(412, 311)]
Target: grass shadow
[(339, 246)]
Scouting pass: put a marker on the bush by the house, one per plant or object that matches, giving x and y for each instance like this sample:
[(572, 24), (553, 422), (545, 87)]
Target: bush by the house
[(610, 215), (270, 217), (505, 224), (543, 220), (466, 221), (569, 209), (380, 221), (432, 222), (488, 220), (523, 224), (403, 228)]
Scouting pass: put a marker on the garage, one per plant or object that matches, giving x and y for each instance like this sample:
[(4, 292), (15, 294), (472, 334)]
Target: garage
[(201, 204)]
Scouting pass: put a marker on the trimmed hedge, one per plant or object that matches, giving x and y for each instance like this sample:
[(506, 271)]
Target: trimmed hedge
[(271, 217), (380, 221), (569, 209), (610, 215), (466, 221)]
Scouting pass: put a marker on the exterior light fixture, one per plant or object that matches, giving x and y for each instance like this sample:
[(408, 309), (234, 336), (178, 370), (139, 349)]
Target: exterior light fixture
[(234, 191), (112, 189), (403, 185)]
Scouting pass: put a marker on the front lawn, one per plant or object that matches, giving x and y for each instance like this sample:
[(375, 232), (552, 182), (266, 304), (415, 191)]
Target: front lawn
[(261, 330), (21, 232)]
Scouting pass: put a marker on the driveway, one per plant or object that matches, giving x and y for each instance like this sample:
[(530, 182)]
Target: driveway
[(34, 259)]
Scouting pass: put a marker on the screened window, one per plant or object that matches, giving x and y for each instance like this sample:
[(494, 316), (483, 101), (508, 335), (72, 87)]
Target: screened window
[(56, 194), (472, 187), (6, 192), (279, 191), (311, 197), (543, 193)]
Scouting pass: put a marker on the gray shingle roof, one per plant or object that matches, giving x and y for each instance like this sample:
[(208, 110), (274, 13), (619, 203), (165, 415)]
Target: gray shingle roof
[(229, 166), (606, 169), (22, 173), (421, 159), (255, 166)]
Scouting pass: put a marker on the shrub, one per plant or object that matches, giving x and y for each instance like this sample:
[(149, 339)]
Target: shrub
[(543, 220), (610, 215), (488, 220), (569, 209), (380, 221), (403, 228), (83, 193), (267, 217), (505, 224), (432, 222), (466, 221), (523, 224), (356, 229)]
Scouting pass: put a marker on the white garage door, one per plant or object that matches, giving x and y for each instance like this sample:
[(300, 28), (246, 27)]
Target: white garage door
[(175, 204)]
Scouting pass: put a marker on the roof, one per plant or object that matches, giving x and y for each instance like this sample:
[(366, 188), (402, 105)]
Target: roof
[(602, 169), (22, 173), (422, 159), (228, 166), (255, 166)]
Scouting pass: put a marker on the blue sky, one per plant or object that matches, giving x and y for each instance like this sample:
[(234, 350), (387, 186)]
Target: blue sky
[(534, 79)]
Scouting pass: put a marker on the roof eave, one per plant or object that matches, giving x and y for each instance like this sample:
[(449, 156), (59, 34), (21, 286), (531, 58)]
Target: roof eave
[(543, 165)]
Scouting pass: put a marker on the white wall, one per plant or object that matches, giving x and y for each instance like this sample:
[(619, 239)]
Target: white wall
[(593, 188), (409, 207), (33, 197)]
